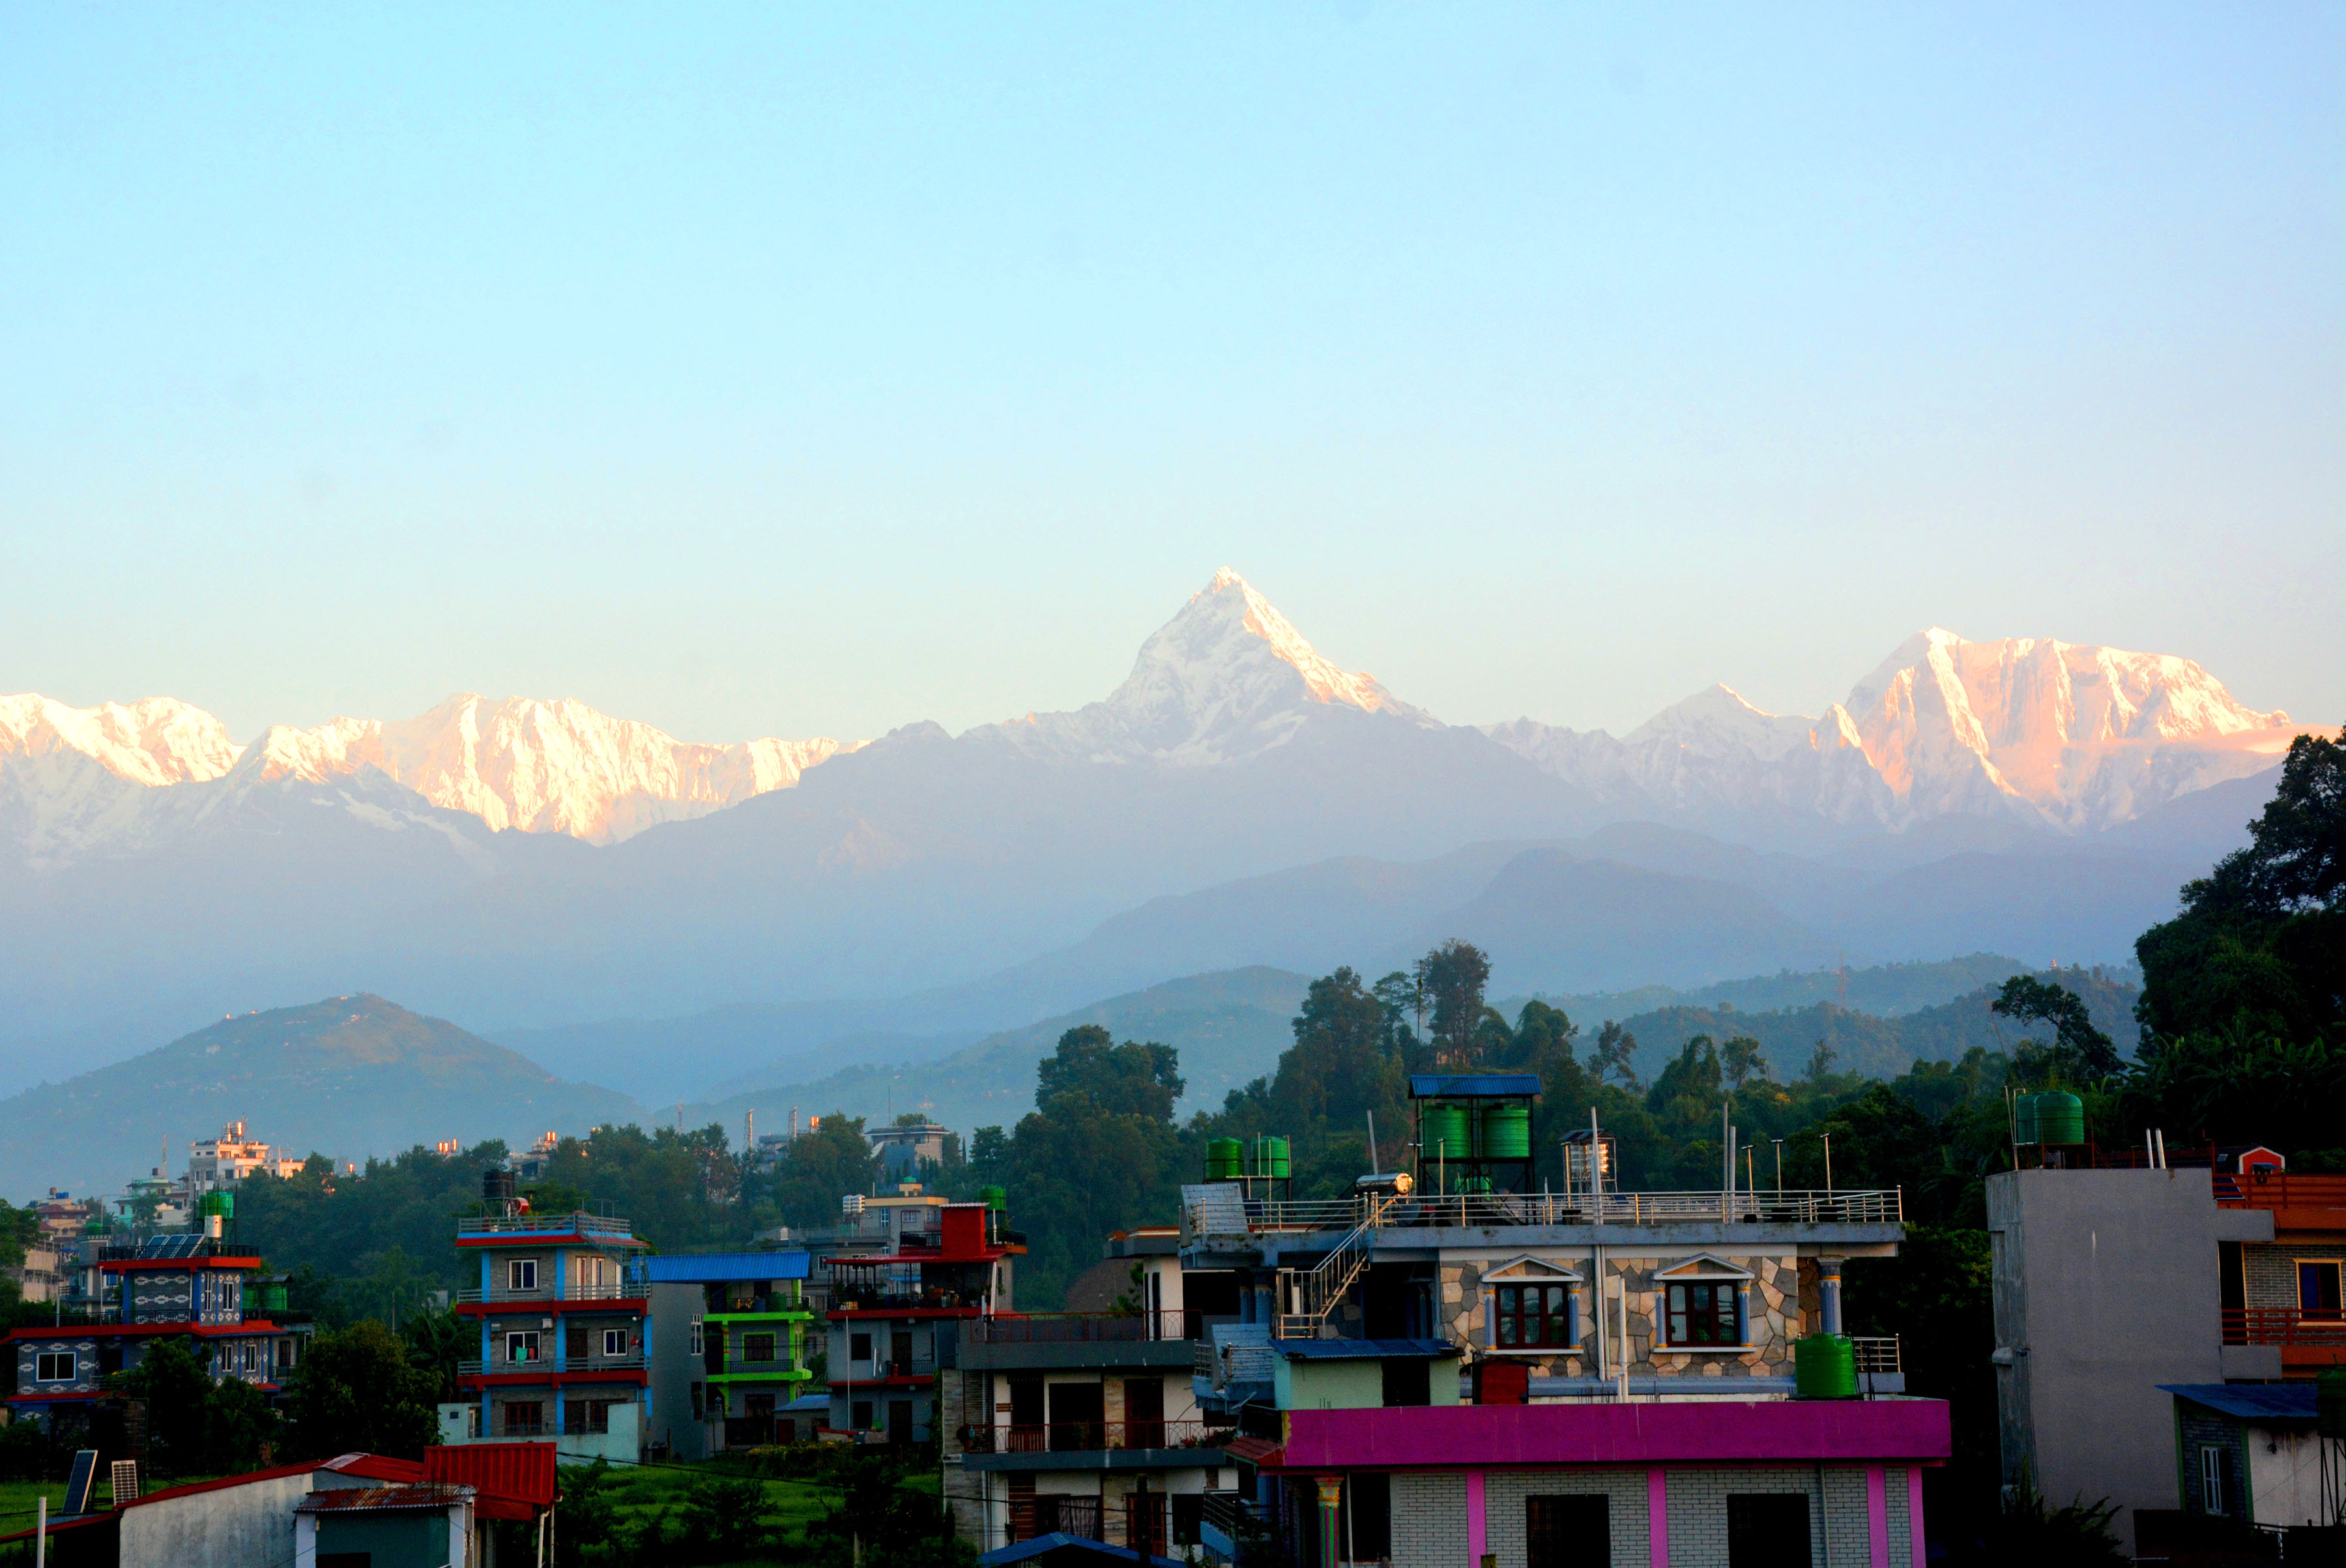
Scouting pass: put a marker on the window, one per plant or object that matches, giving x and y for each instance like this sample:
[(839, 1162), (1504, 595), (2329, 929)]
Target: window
[(1188, 1514), (859, 1348), (2213, 1463), (859, 1418), (1407, 1382), (520, 1274), (2317, 1289), (615, 1341), (697, 1349), (594, 1276), (54, 1367), (1767, 1530), (1560, 1531), (525, 1417), (699, 1413), (521, 1345), (1368, 1524), (1703, 1313), (1534, 1315), (757, 1347)]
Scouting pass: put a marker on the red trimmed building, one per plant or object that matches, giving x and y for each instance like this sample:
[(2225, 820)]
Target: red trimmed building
[(189, 1287), (891, 1313), (563, 1322)]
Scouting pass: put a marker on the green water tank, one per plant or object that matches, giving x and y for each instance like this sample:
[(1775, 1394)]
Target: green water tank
[(222, 1204), (1443, 1131), (993, 1197), (2060, 1118), (1222, 1159), (2024, 1119), (1471, 1184), (2329, 1403), (94, 1226), (1506, 1132), (1824, 1367), (1268, 1156)]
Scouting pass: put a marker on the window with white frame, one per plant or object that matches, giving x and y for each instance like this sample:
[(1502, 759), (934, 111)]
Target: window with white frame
[(54, 1367), (1702, 1305), (2213, 1463), (697, 1348), (521, 1345), (615, 1341), (520, 1274), (1533, 1317)]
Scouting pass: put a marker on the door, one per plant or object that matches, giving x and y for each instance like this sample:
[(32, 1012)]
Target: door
[(1025, 1434), (1767, 1530), (1144, 1413), (1561, 1531), (900, 1353), (1144, 1524), (899, 1420), (1078, 1412)]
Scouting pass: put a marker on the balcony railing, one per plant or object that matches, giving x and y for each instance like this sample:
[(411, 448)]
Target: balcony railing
[(1863, 1206), (1083, 1327), (1092, 1436), (1877, 1355), (2284, 1326), (544, 1364), (2279, 1190), (543, 1225), (609, 1290), (847, 1299)]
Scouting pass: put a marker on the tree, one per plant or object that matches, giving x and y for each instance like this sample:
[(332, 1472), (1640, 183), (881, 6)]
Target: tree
[(355, 1389), (1453, 977), (1339, 1066), (820, 1166), (1098, 1151), (1125, 1080), (435, 1343), (2079, 1047), (1612, 1057), (1742, 1060), (175, 1389), (2262, 940)]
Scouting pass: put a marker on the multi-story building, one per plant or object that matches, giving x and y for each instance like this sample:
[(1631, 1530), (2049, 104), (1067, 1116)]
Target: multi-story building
[(1448, 1366), (903, 1148), (729, 1342), (2126, 1277), (216, 1164), (564, 1323), (192, 1287), (1083, 1424), (887, 1309)]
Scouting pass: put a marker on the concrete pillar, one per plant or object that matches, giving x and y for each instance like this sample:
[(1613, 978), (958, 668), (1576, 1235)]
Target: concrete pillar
[(1743, 1309), (1828, 1293)]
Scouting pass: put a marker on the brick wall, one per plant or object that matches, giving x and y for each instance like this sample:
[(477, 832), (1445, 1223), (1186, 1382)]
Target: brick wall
[(1839, 1536), (1901, 1540), (1429, 1521), (1503, 1496), (2197, 1426), (2268, 1270)]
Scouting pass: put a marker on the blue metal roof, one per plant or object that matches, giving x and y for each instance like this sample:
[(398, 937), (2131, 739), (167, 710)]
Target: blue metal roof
[(806, 1404), (1362, 1349), (717, 1268), (1472, 1086), (1060, 1547), (2250, 1402)]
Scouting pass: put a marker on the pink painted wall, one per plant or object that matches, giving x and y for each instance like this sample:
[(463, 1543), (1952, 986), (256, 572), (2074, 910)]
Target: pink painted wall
[(1791, 1431)]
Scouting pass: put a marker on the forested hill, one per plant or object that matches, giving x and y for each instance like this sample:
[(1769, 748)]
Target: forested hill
[(1885, 990), (1870, 1043)]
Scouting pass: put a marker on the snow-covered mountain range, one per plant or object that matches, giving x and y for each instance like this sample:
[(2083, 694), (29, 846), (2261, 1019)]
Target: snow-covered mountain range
[(2049, 734)]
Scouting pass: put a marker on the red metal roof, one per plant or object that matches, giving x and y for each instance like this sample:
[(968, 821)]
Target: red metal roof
[(364, 1466), (106, 1330), (521, 1472), (384, 1498), (116, 1265)]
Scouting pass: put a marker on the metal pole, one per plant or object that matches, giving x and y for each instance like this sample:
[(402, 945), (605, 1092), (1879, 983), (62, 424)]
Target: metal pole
[(1373, 1167), (1828, 1139), (41, 1532)]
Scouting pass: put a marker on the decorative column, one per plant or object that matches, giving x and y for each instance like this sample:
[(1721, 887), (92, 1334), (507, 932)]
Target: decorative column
[(1743, 1311), (1828, 1293), (1332, 1497)]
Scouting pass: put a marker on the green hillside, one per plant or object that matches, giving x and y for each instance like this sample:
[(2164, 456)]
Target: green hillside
[(348, 1077)]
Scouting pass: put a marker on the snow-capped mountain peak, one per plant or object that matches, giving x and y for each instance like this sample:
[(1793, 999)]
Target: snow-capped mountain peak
[(1228, 677), (1719, 721), (155, 740)]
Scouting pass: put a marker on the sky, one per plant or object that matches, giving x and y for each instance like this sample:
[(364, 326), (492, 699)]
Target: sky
[(812, 371)]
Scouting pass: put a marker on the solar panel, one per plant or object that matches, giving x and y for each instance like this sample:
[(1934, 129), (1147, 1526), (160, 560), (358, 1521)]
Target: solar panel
[(85, 1471), (178, 1245)]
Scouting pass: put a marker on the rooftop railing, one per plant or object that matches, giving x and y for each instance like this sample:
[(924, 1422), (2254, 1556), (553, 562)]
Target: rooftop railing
[(1840, 1207), (609, 1290), (473, 1368), (1093, 1437), (544, 1224), (1086, 1328), (2280, 1189)]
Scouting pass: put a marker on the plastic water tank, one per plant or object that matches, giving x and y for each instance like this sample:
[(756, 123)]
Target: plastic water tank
[(1269, 1156), (2060, 1118), (1824, 1367), (1506, 1132), (993, 1197), (222, 1204), (2329, 1403), (1222, 1159), (1442, 1132)]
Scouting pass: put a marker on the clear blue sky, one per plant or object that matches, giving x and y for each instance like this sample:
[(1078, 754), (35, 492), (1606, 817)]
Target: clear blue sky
[(814, 369)]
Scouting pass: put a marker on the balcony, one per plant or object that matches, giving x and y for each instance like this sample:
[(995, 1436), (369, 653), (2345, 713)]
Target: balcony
[(609, 1290), (543, 1366), (1085, 1327), (1225, 1213), (1094, 1437), (529, 1224), (2290, 1328), (2279, 1190)]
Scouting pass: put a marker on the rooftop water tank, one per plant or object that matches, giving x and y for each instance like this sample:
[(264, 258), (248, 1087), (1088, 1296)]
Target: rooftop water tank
[(1443, 1135), (2060, 1118), (1506, 1132), (2329, 1403), (1222, 1159), (1268, 1156), (222, 1204), (993, 1197), (1824, 1367)]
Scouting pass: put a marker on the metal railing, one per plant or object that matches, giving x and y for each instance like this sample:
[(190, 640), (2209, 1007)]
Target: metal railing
[(2284, 1326), (1876, 1354), (1841, 1207), (1076, 1328), (544, 1224), (609, 1290), (1092, 1436), (476, 1368), (2278, 1189)]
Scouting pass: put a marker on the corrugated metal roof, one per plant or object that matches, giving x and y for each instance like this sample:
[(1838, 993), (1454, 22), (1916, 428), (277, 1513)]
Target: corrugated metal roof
[(384, 1498), (2250, 1402), (719, 1267), (521, 1471), (1060, 1547), (1472, 1086), (1362, 1349)]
